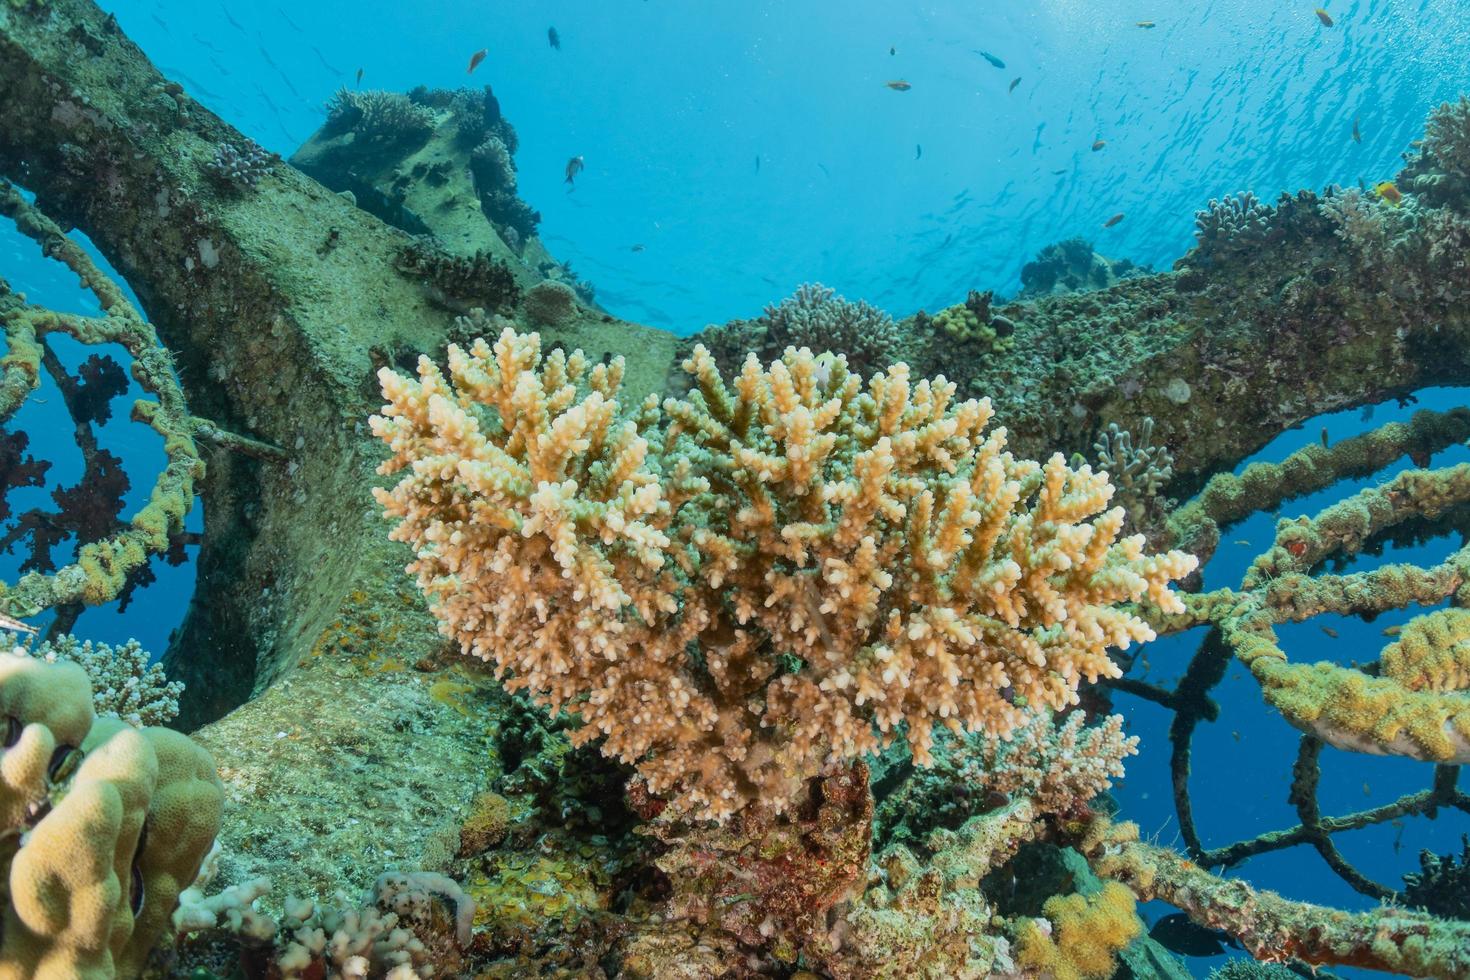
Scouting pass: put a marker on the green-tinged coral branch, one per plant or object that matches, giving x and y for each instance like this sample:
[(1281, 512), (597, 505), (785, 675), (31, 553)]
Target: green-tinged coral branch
[(1278, 929)]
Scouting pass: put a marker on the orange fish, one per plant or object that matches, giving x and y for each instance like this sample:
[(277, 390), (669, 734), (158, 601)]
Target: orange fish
[(1113, 220), (1324, 17), (476, 58), (898, 85), (1389, 192), (1099, 145)]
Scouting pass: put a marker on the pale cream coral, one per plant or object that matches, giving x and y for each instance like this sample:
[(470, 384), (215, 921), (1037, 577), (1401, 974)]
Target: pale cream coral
[(797, 567)]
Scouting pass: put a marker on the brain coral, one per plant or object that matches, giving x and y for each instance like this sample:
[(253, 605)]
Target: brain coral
[(791, 571)]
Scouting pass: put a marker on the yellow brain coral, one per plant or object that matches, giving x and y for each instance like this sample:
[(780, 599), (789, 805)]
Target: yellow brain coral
[(774, 581)]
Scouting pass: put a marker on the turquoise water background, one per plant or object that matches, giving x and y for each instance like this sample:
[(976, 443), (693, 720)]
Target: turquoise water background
[(671, 105)]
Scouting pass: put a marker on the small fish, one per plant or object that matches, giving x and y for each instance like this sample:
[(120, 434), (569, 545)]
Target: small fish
[(359, 78), (476, 58), (574, 167), (1357, 133), (14, 625), (1366, 415), (1113, 220), (898, 85), (1389, 192), (1392, 630), (1324, 437), (1366, 790), (892, 50), (1235, 735), (635, 248), (918, 151), (991, 58), (1243, 542), (553, 37), (1098, 145), (1014, 82), (1058, 173), (1147, 25), (1330, 631), (1324, 17), (823, 168), (757, 163), (1176, 932)]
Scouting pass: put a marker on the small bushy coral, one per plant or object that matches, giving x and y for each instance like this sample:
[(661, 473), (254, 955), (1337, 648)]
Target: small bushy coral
[(1235, 226), (126, 683), (786, 577), (972, 323), (240, 167), (1139, 470), (1441, 886), (379, 118), (817, 318), (1447, 137), (458, 282)]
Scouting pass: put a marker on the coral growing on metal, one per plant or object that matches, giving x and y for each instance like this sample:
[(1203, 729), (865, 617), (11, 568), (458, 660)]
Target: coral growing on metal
[(89, 891), (241, 167), (848, 562), (460, 283), (817, 318), (1441, 886), (1060, 764), (1408, 701), (126, 683), (408, 926), (1138, 471), (110, 553), (973, 324), (1234, 226), (378, 118)]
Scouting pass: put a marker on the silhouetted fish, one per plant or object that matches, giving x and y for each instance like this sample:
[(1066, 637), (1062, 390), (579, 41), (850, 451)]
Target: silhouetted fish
[(1113, 220), (918, 151), (476, 58), (1324, 17), (325, 63), (1176, 932), (1014, 82), (757, 163), (823, 168), (991, 58), (1357, 133), (553, 37), (288, 20), (233, 22), (574, 167)]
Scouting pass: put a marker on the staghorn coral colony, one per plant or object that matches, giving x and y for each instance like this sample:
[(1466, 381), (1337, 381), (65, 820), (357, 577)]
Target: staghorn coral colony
[(790, 650)]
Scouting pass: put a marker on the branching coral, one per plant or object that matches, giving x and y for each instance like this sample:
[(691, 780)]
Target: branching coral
[(1441, 886), (125, 683), (1059, 764), (788, 576), (241, 167), (1235, 225), (1139, 472), (460, 283), (817, 318), (379, 118), (1447, 137)]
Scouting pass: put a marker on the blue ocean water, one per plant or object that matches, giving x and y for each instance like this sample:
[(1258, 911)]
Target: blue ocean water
[(749, 147)]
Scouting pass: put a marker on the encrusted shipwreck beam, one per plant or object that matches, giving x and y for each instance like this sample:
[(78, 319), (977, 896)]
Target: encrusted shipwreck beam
[(280, 300)]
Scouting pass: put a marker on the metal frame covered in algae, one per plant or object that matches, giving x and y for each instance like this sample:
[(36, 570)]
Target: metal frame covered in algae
[(414, 819)]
